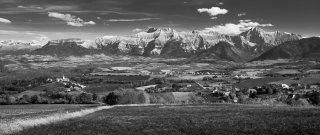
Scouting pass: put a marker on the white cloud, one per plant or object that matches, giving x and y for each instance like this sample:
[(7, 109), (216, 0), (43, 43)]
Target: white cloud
[(99, 18), (242, 14), (214, 18), (231, 29), (213, 11), (136, 30), (60, 8), (3, 20), (131, 20), (70, 19), (30, 7), (220, 3), (21, 6)]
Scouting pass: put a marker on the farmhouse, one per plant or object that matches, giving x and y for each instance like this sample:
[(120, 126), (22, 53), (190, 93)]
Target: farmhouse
[(145, 72), (156, 72), (205, 72), (63, 79), (146, 87), (166, 71)]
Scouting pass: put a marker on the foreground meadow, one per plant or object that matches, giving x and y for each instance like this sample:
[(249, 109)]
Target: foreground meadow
[(15, 118), (12, 112), (225, 119)]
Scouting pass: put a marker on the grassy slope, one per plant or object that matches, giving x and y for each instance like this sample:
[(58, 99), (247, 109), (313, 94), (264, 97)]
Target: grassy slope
[(196, 119)]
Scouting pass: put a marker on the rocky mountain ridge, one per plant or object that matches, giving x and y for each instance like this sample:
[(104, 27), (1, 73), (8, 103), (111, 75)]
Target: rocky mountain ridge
[(167, 42)]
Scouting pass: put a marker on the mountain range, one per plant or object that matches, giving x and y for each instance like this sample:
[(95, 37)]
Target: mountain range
[(12, 47), (167, 42), (253, 44)]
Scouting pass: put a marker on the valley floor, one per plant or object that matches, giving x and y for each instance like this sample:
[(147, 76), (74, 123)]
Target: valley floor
[(225, 119)]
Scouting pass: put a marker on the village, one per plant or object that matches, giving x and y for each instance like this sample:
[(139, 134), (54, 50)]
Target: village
[(211, 82), (224, 83)]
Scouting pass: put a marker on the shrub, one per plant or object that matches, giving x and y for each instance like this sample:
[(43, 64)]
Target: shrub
[(25, 99), (95, 97), (36, 99), (253, 94), (60, 101), (3, 101), (314, 97), (243, 98), (111, 99), (11, 100), (71, 99), (298, 102)]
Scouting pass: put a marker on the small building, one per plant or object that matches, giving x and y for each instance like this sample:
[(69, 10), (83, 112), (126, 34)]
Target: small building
[(63, 79), (167, 71), (145, 72), (156, 72), (146, 87)]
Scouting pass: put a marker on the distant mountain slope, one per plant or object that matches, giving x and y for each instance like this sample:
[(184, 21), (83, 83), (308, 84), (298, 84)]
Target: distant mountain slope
[(63, 48), (12, 47), (304, 48)]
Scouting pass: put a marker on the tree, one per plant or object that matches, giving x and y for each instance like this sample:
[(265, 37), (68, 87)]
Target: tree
[(111, 99), (71, 99), (84, 98), (158, 81), (35, 99), (95, 97), (11, 100)]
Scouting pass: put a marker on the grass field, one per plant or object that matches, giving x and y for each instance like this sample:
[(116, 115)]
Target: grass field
[(224, 119), (258, 82)]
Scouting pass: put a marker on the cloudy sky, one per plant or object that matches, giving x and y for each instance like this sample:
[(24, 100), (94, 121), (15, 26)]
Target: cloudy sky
[(87, 19)]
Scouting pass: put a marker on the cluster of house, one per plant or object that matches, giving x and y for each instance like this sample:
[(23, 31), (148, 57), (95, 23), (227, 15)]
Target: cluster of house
[(113, 71), (260, 73), (70, 85), (250, 73)]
